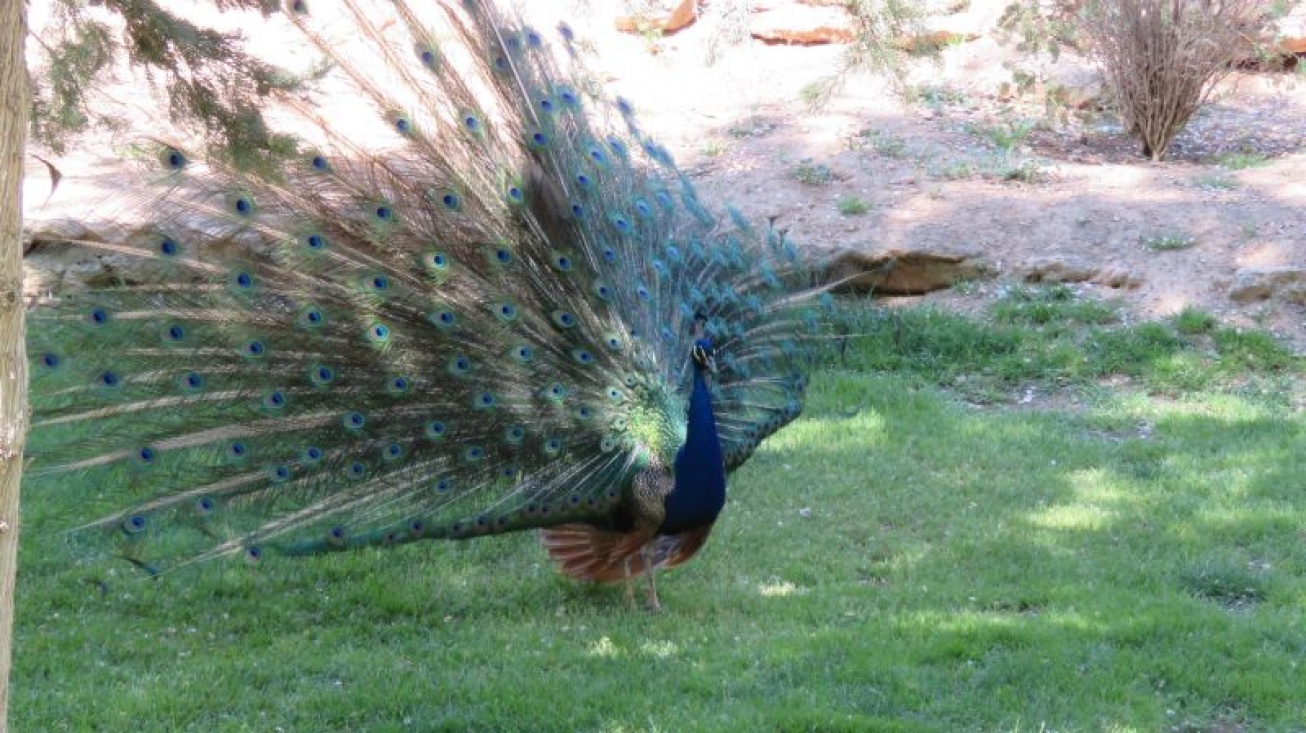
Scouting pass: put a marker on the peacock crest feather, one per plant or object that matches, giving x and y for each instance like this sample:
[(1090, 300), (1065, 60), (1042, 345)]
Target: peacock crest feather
[(496, 306)]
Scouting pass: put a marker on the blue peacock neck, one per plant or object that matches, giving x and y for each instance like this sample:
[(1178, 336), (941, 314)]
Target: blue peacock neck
[(700, 475)]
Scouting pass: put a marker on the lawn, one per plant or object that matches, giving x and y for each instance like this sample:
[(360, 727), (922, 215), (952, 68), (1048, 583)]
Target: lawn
[(1043, 519)]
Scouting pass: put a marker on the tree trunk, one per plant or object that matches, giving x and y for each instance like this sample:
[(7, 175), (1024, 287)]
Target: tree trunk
[(13, 353)]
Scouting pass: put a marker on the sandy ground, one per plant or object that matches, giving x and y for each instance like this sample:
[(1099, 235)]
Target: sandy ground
[(929, 172), (931, 178)]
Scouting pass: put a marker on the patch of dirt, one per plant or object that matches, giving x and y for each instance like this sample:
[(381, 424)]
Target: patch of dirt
[(1067, 201), (1070, 201)]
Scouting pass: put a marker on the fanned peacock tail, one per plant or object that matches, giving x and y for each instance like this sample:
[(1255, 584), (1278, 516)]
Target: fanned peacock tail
[(475, 318)]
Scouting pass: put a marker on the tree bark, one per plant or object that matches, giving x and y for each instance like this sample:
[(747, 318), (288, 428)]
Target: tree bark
[(13, 352)]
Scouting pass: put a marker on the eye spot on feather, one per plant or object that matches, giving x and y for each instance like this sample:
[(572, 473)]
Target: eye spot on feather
[(392, 452), (243, 280), (356, 470), (312, 317), (49, 360), (109, 379), (236, 450), (98, 316), (168, 247), (135, 524), (253, 554), (174, 333), (253, 349), (279, 473), (315, 242), (443, 485), (174, 159), (242, 205), (506, 312), (353, 420), (460, 366), (192, 381), (563, 319), (473, 454), (436, 430), (566, 32), (205, 505), (319, 163), (145, 455), (311, 455), (274, 400), (428, 57)]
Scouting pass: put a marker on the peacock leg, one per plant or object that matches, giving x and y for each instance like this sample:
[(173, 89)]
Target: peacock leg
[(630, 583), (653, 603)]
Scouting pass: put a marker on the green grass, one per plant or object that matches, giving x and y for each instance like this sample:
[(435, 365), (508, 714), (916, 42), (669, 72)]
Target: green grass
[(1240, 160), (850, 205), (1168, 242), (813, 174), (918, 553)]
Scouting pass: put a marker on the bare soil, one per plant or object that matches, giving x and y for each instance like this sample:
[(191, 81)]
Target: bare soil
[(1072, 199), (1075, 195)]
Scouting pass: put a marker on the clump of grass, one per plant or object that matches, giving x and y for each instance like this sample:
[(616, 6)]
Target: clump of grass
[(1241, 160), (1007, 136), (938, 96), (850, 205), (1168, 242), (714, 147), (813, 174), (1051, 334), (1225, 583), (883, 143), (955, 170), (1053, 304), (1258, 349), (1193, 321)]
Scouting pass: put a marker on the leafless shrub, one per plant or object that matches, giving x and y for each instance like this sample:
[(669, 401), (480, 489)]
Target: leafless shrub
[(1163, 58)]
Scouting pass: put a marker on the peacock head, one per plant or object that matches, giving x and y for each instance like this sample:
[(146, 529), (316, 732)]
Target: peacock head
[(703, 354)]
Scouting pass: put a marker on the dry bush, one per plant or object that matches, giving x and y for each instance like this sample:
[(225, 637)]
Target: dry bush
[(1162, 58)]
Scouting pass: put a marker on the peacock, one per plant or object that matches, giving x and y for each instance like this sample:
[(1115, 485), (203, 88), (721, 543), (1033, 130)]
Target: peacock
[(486, 302)]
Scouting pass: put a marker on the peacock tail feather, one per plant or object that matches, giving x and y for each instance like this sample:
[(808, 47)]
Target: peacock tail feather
[(472, 315)]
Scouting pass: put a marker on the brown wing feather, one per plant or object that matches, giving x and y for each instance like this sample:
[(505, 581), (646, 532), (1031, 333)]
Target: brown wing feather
[(602, 556)]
